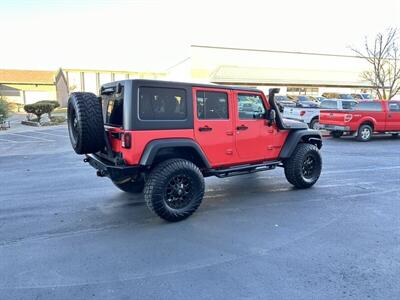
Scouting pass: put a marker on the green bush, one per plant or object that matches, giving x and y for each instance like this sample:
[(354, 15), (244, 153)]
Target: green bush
[(3, 109), (38, 109), (54, 103)]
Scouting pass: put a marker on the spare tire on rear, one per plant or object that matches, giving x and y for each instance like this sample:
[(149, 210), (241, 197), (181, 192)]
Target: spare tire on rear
[(85, 123)]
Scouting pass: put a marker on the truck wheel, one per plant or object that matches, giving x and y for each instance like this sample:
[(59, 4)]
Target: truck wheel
[(336, 134), (364, 133), (130, 186), (174, 189), (85, 123), (304, 167), (314, 124)]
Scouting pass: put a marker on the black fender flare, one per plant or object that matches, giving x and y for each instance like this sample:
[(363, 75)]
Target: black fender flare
[(151, 149), (297, 136)]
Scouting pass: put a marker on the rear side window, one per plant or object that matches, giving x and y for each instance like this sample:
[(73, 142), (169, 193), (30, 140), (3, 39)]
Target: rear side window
[(369, 106), (212, 105), (162, 104), (394, 106), (328, 104), (114, 105)]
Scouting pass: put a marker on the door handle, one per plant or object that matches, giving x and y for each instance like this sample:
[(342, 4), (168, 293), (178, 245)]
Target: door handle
[(242, 127), (205, 128)]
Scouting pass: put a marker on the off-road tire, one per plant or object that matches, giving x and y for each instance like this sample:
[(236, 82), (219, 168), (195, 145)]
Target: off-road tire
[(131, 186), (337, 134), (158, 185), (313, 123), (361, 133), (294, 166), (85, 123)]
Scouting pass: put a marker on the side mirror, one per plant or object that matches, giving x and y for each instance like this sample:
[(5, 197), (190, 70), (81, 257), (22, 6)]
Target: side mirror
[(271, 117)]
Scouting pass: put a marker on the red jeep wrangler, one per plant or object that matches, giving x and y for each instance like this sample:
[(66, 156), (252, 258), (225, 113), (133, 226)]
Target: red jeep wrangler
[(165, 137)]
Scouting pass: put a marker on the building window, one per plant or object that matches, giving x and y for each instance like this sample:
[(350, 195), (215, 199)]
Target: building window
[(90, 82), (302, 91)]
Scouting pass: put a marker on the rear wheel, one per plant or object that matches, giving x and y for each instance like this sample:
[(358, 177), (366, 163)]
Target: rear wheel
[(336, 134), (304, 167), (174, 189), (130, 186), (85, 123), (364, 133)]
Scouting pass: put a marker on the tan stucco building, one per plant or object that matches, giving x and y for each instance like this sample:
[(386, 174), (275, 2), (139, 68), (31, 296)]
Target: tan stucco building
[(293, 72)]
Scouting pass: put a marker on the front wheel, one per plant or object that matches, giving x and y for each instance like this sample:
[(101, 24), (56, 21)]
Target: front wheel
[(304, 167), (314, 124), (174, 189), (364, 133)]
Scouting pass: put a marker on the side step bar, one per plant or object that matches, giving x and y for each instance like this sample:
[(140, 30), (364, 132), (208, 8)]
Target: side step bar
[(244, 169)]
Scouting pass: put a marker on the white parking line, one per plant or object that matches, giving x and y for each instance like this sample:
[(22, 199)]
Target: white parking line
[(32, 137), (6, 140), (20, 142), (52, 134)]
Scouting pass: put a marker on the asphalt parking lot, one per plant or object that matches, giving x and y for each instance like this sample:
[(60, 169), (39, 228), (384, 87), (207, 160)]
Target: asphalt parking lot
[(66, 234)]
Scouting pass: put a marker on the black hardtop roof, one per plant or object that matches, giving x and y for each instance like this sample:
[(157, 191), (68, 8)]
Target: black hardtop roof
[(177, 83)]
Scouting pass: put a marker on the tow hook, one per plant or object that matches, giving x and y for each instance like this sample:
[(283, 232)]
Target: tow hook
[(101, 173)]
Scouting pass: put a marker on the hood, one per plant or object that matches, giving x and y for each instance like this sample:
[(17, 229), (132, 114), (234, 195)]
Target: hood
[(293, 124), (308, 104)]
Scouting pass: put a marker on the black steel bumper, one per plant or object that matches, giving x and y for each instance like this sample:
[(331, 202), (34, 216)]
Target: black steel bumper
[(109, 169)]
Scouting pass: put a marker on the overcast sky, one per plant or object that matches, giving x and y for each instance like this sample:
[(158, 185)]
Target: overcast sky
[(155, 34)]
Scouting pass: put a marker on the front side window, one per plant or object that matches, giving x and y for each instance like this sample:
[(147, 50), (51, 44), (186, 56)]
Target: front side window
[(212, 105), (250, 107), (162, 103), (369, 106)]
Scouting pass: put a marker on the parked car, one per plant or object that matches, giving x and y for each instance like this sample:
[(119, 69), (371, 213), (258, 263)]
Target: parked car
[(337, 96), (362, 96), (310, 116), (284, 101), (366, 118), (304, 101), (165, 137), (317, 99)]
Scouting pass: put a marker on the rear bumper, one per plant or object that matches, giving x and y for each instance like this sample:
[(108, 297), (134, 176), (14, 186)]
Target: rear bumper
[(334, 127), (109, 169)]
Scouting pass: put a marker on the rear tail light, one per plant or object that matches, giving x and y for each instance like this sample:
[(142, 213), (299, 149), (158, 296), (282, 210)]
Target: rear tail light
[(302, 113), (348, 117), (126, 140)]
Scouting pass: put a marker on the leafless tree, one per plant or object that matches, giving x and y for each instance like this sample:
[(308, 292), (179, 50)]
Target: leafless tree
[(383, 55)]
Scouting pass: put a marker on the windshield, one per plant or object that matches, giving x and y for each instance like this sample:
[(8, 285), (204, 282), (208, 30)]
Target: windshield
[(303, 98), (367, 96), (281, 98), (345, 96)]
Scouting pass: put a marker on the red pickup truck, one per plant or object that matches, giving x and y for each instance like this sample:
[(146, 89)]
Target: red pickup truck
[(363, 120)]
